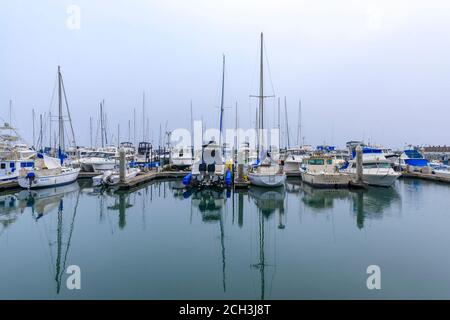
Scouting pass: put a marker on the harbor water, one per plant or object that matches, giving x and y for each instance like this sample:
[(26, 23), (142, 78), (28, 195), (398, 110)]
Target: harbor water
[(160, 242)]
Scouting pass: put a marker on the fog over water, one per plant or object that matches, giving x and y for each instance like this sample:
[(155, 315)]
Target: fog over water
[(373, 70)]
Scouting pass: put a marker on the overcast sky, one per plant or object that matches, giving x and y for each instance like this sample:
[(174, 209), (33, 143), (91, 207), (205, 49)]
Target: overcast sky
[(374, 70)]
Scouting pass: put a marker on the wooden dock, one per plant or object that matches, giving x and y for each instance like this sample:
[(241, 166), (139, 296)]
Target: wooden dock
[(150, 176), (425, 176), (241, 184)]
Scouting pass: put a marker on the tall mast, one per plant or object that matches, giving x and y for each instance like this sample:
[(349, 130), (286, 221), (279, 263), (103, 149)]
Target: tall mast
[(10, 116), (134, 126), (299, 128), (34, 138), (143, 116), (60, 114), (129, 130), (279, 126), (192, 126), (221, 102), (287, 122), (90, 130), (236, 131), (101, 124), (40, 132), (50, 130), (118, 135)]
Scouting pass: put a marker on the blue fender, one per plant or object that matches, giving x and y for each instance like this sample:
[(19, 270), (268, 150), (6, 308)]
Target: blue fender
[(228, 179), (187, 179)]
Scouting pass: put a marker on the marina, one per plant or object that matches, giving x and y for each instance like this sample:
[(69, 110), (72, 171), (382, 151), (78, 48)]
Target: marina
[(224, 150), (297, 242)]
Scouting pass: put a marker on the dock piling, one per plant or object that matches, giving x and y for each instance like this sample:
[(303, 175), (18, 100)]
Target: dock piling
[(122, 165)]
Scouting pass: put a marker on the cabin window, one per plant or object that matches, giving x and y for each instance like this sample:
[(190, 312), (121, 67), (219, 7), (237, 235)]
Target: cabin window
[(329, 161), (3, 166), (12, 164), (316, 162)]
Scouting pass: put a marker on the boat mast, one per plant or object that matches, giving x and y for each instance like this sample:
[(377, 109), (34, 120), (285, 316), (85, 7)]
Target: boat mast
[(287, 123), (134, 125), (50, 129), (279, 126), (192, 127), (10, 117), (143, 116), (299, 128), (90, 130), (60, 115), (261, 97), (101, 124), (221, 102), (34, 138)]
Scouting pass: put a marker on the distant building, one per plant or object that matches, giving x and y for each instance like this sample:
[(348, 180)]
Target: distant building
[(437, 153)]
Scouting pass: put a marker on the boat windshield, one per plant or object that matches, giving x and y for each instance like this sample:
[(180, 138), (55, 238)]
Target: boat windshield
[(319, 162), (413, 154)]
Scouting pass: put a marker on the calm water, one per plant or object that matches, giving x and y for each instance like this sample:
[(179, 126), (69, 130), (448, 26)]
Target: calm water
[(292, 243)]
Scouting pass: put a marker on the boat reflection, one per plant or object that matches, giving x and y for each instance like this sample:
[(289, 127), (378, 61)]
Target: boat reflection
[(63, 201), (373, 203), (322, 199)]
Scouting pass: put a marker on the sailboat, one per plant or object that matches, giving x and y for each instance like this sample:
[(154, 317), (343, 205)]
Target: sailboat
[(48, 171), (266, 172)]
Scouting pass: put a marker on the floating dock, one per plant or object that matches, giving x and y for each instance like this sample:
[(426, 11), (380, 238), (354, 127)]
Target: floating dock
[(150, 176), (426, 176), (241, 184)]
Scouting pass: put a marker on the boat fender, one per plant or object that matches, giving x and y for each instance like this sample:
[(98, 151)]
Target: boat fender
[(228, 179), (187, 179)]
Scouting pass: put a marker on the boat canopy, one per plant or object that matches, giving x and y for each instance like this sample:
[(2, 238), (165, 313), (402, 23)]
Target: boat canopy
[(413, 154)]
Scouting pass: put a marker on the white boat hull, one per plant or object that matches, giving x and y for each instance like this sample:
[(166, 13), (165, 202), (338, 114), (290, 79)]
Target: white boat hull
[(326, 180), (103, 166), (43, 181), (379, 180), (267, 180)]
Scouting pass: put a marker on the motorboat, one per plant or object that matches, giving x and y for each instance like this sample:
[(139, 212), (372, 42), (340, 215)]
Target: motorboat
[(181, 157), (293, 160), (376, 169), (111, 178), (208, 169), (322, 171), (412, 160)]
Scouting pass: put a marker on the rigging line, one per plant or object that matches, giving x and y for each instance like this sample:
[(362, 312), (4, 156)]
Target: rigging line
[(268, 68), (53, 93), (68, 112)]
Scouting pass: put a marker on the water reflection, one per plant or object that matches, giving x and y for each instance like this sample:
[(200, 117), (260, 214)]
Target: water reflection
[(259, 212), (63, 201), (211, 205)]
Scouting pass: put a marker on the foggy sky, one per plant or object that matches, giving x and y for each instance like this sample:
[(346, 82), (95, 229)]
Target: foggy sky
[(373, 70)]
